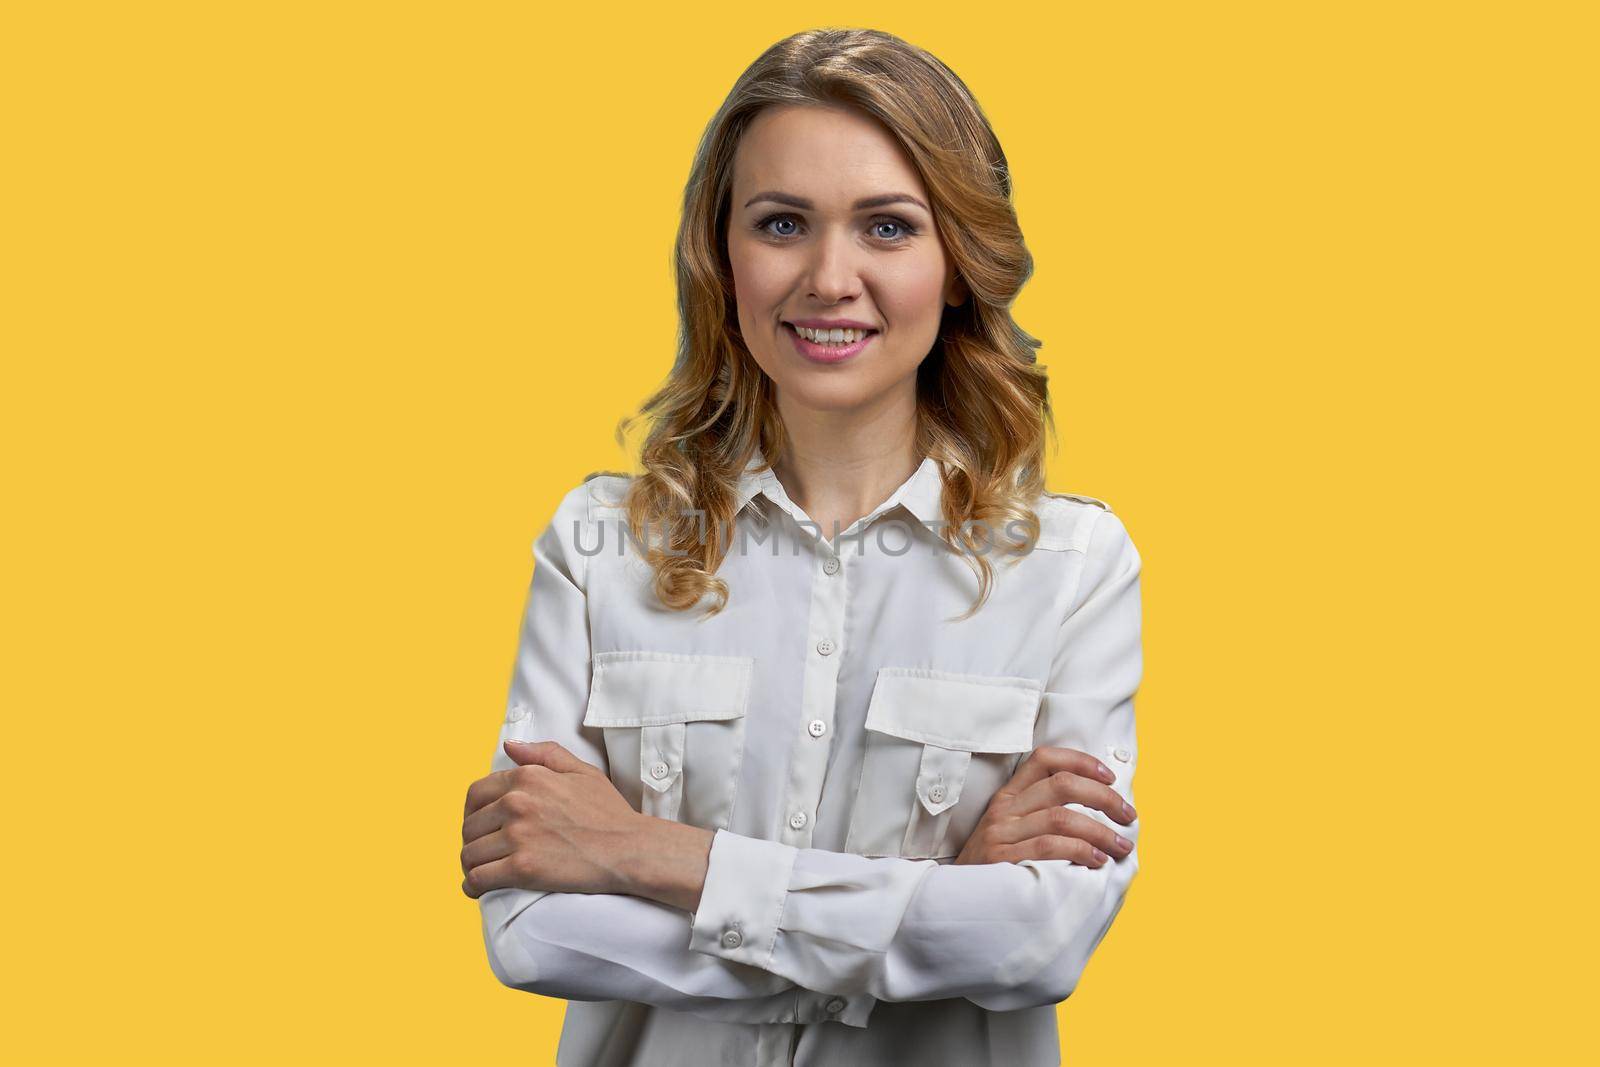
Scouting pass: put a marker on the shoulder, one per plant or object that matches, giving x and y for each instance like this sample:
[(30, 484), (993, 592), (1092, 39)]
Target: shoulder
[(1067, 521), (603, 492), (584, 504), (569, 538), (1109, 563), (594, 494)]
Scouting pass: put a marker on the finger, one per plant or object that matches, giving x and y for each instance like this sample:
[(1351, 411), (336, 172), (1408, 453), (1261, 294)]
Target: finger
[(486, 820), (489, 788), (548, 754), (1064, 787), (496, 874), (1056, 848), (1046, 760), (485, 849), (1064, 822)]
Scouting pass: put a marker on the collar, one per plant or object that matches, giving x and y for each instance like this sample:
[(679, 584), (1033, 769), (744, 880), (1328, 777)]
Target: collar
[(920, 494)]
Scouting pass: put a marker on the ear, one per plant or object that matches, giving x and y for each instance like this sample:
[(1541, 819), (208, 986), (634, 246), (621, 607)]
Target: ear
[(956, 292)]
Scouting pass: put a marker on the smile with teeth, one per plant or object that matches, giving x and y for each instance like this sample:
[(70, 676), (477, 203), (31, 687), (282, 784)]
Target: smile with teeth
[(830, 337)]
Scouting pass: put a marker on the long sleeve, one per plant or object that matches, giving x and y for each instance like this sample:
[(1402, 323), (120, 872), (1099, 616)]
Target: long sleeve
[(580, 946), (1005, 936)]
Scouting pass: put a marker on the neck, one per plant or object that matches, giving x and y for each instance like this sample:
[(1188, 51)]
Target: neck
[(837, 473)]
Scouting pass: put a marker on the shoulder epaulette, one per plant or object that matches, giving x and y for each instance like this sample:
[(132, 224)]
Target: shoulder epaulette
[(1081, 498)]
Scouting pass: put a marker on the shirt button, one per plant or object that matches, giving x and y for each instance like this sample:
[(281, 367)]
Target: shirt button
[(517, 714), (1121, 753), (658, 769), (732, 939), (798, 820), (936, 794), (830, 565), (816, 727), (835, 1006), (825, 646)]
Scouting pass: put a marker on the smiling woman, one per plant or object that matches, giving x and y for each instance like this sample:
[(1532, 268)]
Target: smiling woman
[(869, 805), (815, 160)]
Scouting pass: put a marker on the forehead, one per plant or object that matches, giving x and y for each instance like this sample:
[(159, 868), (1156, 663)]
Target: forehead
[(830, 155)]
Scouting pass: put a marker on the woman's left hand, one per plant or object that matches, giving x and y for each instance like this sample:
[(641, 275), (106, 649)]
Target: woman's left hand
[(555, 823)]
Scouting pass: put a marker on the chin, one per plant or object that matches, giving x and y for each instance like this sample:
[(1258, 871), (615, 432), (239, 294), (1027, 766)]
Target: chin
[(838, 392)]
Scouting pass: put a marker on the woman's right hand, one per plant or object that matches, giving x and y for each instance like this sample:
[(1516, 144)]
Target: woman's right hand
[(1026, 820)]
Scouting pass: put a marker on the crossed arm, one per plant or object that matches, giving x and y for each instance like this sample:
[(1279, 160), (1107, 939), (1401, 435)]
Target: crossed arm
[(743, 929)]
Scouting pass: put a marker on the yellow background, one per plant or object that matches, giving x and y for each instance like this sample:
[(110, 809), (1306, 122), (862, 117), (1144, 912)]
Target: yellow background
[(312, 311)]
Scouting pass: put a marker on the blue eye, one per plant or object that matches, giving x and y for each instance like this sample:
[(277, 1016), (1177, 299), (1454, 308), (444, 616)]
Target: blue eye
[(764, 223), (904, 228)]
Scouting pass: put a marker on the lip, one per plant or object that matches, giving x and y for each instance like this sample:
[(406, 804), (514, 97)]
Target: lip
[(827, 353), (832, 324)]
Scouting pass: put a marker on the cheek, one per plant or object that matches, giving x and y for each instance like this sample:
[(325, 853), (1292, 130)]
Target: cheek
[(915, 292), (757, 277)]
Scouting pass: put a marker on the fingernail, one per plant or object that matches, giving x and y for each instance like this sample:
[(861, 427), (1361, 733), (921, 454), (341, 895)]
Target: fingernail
[(1127, 809), (1105, 772), (1123, 843), (1101, 856)]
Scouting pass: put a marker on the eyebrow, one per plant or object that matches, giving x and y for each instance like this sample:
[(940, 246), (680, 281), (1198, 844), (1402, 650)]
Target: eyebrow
[(860, 205)]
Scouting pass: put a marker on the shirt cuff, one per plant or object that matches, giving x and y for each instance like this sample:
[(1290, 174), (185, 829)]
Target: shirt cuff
[(747, 881), (741, 906)]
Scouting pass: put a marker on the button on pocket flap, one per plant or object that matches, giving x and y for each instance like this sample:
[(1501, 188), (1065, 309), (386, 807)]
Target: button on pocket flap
[(661, 755), (657, 688), (941, 776), (967, 712)]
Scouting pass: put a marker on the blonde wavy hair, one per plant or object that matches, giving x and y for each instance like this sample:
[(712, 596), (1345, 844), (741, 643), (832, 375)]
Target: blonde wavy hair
[(982, 401)]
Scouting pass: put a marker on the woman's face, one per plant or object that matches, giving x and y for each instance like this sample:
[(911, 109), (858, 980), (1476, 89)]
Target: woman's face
[(806, 247)]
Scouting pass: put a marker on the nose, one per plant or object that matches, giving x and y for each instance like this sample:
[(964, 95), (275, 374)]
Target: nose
[(835, 271)]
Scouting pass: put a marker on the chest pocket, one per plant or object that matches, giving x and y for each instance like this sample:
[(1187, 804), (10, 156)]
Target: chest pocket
[(674, 730), (939, 746)]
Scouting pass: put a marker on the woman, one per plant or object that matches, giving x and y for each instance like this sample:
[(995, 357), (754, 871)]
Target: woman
[(767, 793)]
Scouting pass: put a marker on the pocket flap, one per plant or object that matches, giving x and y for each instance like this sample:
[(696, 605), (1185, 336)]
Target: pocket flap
[(657, 688), (941, 776), (661, 755), (967, 712)]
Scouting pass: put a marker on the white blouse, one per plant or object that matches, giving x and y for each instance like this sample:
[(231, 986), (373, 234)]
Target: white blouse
[(842, 736)]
